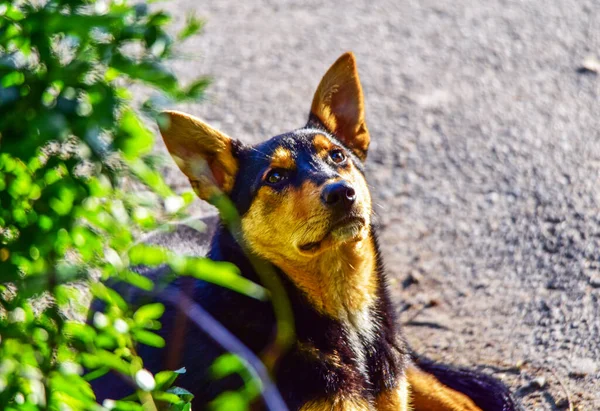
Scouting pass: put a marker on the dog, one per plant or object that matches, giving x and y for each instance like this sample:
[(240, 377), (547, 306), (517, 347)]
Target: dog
[(305, 207)]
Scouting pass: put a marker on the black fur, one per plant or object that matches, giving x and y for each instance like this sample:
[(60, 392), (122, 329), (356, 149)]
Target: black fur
[(254, 161), (300, 376), (488, 393)]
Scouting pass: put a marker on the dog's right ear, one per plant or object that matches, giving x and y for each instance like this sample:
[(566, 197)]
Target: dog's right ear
[(205, 155), (338, 105)]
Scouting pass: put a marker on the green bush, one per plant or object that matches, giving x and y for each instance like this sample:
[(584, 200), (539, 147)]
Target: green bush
[(78, 186)]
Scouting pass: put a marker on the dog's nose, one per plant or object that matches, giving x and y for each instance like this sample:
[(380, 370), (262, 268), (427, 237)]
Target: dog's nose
[(338, 194)]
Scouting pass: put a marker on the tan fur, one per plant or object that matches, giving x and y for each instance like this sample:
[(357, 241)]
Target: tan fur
[(428, 394), (396, 399), (393, 400), (340, 281), (314, 353), (322, 145), (339, 275), (338, 103), (282, 158), (338, 404), (201, 152)]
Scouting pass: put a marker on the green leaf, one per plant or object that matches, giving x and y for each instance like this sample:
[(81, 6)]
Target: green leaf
[(149, 338), (229, 401), (148, 71), (182, 393), (13, 13), (148, 312), (74, 154), (134, 138), (137, 280), (159, 19), (193, 25), (149, 177), (225, 365), (83, 332), (197, 88), (143, 254), (96, 374), (221, 273), (167, 397), (165, 379), (103, 358), (108, 295), (15, 78), (127, 406)]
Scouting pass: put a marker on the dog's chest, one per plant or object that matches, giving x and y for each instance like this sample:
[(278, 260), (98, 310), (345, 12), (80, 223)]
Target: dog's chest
[(346, 356), (338, 354), (360, 330), (354, 379)]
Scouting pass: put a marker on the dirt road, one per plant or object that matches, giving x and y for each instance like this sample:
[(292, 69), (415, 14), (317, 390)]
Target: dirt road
[(484, 164)]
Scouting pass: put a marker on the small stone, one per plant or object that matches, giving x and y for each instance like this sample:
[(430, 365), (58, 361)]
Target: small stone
[(414, 277), (540, 382), (580, 367), (590, 65), (594, 281)]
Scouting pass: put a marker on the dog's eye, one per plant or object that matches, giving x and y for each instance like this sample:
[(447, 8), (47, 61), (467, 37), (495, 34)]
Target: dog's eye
[(337, 156), (276, 176)]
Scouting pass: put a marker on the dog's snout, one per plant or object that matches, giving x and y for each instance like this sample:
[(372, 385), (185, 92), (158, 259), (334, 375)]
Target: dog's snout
[(338, 194)]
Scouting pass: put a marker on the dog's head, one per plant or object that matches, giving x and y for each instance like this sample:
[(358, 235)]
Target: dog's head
[(298, 193)]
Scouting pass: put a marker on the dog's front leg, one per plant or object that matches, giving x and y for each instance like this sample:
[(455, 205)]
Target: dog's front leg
[(396, 399), (427, 393)]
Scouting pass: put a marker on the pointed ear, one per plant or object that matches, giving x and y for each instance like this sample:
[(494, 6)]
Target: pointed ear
[(205, 155), (338, 104)]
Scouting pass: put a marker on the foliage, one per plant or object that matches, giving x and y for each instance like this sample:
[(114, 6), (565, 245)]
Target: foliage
[(78, 186)]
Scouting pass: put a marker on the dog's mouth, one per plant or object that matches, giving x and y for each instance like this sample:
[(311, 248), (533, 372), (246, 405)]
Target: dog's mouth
[(343, 230)]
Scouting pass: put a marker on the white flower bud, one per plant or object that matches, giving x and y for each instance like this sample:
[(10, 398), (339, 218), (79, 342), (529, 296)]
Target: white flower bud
[(173, 204), (17, 315), (145, 380), (100, 320), (38, 392), (113, 258), (20, 399), (70, 367), (121, 326), (109, 404)]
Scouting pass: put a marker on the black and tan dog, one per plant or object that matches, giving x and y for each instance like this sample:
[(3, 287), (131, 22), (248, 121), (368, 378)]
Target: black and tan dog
[(305, 207)]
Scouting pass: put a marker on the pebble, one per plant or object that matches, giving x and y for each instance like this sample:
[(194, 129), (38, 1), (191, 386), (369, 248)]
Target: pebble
[(580, 367), (595, 281)]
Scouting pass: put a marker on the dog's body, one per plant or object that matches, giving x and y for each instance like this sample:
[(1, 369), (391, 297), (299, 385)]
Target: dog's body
[(305, 208)]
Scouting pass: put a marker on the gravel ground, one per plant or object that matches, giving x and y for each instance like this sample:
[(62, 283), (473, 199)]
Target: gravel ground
[(484, 162)]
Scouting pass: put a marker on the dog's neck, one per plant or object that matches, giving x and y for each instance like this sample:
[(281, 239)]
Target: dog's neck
[(341, 282)]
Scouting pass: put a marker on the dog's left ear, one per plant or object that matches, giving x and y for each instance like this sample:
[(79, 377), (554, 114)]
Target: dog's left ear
[(338, 104)]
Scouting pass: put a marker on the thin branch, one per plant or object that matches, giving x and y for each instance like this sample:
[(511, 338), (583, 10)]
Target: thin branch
[(284, 316), (563, 386), (229, 342)]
